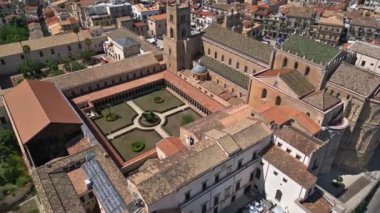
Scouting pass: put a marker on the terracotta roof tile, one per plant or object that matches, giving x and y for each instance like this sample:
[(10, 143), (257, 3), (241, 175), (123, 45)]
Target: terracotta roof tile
[(45, 105), (170, 145), (303, 143), (283, 114), (77, 178), (158, 17), (316, 203), (290, 166)]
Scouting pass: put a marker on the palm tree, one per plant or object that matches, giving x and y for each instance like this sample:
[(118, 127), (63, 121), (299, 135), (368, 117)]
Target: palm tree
[(76, 31), (88, 41), (26, 50)]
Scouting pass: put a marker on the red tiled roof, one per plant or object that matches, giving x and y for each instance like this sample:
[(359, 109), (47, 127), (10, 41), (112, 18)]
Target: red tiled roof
[(33, 105), (204, 100), (170, 145), (52, 20), (85, 3), (139, 24), (206, 13), (77, 178), (273, 72), (282, 114), (158, 17)]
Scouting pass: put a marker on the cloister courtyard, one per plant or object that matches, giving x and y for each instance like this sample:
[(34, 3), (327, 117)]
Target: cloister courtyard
[(136, 125)]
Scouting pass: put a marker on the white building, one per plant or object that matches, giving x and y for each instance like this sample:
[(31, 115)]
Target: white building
[(121, 48), (367, 56), (142, 12), (223, 159), (105, 13)]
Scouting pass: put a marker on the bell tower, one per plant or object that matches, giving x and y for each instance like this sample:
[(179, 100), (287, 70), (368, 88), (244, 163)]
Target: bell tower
[(177, 48)]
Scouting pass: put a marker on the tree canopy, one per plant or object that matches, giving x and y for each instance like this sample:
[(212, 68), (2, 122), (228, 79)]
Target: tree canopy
[(15, 31)]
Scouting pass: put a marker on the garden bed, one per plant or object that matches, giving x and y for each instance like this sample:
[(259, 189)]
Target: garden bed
[(158, 101), (123, 144), (175, 121), (125, 115)]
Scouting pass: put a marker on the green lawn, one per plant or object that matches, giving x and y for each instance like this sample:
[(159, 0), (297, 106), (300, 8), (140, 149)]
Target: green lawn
[(123, 143), (126, 115), (146, 102), (174, 122)]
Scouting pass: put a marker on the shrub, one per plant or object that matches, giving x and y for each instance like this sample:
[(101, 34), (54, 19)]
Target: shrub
[(22, 180), (74, 66), (150, 117), (186, 119), (158, 100), (138, 146), (111, 117)]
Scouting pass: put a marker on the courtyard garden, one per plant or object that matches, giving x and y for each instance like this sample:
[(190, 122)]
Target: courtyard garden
[(175, 121), (158, 101), (135, 142), (115, 117), (135, 126)]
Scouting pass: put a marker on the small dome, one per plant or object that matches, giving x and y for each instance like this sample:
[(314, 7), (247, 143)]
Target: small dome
[(199, 69)]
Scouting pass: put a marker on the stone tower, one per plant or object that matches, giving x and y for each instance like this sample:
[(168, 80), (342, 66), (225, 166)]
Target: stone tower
[(177, 41)]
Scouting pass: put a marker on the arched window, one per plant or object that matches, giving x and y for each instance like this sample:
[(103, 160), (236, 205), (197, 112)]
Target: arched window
[(215, 55), (308, 114), (348, 97), (307, 71), (278, 101), (264, 93), (331, 92), (278, 195), (208, 51), (285, 62), (171, 33), (222, 57), (295, 65)]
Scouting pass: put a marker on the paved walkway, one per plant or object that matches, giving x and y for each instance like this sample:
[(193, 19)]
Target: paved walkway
[(136, 124), (354, 188)]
